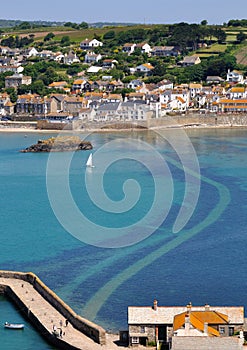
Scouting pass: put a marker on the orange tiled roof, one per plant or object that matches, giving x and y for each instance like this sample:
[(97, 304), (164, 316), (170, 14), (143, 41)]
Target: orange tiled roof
[(113, 82), (140, 44), (115, 96), (195, 86), (199, 318), (147, 65), (237, 107), (180, 99), (235, 102), (79, 81), (28, 96), (211, 317), (97, 94), (9, 104), (133, 94), (238, 89), (4, 95), (58, 83), (73, 99)]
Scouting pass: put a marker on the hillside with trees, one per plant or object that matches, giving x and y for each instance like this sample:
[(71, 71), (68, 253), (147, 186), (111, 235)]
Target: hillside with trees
[(219, 48)]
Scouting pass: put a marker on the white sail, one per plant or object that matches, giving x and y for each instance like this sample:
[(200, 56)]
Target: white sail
[(90, 161)]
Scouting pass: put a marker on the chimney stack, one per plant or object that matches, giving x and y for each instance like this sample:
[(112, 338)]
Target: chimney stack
[(187, 324), (207, 307), (189, 307), (155, 305)]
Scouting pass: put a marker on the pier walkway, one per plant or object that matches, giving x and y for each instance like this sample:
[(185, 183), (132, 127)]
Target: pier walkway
[(41, 312)]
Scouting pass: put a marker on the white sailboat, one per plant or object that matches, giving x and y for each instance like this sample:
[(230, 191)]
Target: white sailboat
[(90, 161)]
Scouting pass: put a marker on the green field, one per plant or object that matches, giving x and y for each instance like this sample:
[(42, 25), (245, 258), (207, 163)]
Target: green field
[(76, 35), (206, 55), (241, 55)]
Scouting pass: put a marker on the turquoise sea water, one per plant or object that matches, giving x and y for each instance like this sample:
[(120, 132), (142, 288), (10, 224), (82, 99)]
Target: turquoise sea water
[(204, 263)]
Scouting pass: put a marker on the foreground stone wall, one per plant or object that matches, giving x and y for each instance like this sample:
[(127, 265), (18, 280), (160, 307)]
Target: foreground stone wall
[(206, 343), (199, 119), (11, 124), (89, 328), (46, 125), (190, 119)]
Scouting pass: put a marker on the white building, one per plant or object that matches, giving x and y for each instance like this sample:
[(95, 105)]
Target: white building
[(235, 77), (90, 44)]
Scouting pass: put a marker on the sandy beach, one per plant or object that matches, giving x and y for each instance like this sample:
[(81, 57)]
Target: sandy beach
[(26, 130)]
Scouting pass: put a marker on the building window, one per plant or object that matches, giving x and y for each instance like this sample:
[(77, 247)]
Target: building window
[(231, 331), (142, 330), (222, 330), (135, 340)]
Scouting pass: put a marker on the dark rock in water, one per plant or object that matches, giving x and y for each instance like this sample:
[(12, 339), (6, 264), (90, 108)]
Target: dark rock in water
[(59, 144)]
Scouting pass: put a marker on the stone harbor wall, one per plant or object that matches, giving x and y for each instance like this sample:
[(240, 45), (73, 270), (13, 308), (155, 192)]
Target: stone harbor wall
[(83, 325), (197, 119)]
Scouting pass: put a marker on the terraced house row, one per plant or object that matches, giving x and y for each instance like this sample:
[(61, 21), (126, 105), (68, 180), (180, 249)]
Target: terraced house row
[(159, 99)]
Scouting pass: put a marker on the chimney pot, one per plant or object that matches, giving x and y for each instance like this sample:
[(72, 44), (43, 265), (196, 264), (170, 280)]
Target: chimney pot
[(189, 307), (155, 305)]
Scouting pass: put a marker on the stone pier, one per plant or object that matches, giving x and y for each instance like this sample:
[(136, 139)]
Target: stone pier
[(44, 309)]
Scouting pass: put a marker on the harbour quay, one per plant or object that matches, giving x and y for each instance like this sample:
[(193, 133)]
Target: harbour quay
[(51, 316)]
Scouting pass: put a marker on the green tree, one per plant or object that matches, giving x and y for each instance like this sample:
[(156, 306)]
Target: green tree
[(159, 69), (68, 24), (24, 41), (38, 87), (10, 41), (220, 35), (129, 78), (124, 92), (220, 65), (83, 25), (2, 78), (48, 76), (12, 94), (241, 37), (116, 73), (25, 25), (23, 89), (72, 25), (49, 36), (109, 35), (74, 69), (65, 40), (196, 73)]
